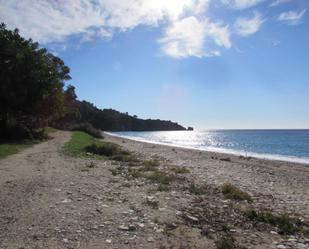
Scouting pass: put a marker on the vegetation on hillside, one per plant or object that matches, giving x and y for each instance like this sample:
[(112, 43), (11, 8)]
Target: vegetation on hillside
[(33, 95)]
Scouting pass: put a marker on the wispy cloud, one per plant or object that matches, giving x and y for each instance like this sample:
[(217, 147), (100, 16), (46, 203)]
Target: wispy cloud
[(187, 33), (278, 2), (241, 4), (292, 17), (192, 37), (244, 26)]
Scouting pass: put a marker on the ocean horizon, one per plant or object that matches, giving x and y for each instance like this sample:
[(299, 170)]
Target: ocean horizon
[(290, 145)]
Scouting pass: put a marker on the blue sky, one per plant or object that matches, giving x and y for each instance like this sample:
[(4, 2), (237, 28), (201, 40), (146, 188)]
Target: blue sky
[(206, 63)]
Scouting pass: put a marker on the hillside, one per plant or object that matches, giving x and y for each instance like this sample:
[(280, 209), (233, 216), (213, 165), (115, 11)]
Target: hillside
[(112, 120)]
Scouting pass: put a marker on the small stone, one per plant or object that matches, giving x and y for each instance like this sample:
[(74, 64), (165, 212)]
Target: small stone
[(66, 200), (109, 241), (273, 232), (281, 247), (65, 241), (123, 228), (192, 218), (150, 239)]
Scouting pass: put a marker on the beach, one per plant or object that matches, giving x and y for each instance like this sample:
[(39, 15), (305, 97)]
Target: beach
[(51, 200), (286, 183)]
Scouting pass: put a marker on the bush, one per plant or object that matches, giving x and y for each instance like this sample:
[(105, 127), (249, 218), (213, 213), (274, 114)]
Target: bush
[(226, 243), (89, 129), (197, 190), (104, 149), (286, 224), (161, 178), (232, 192)]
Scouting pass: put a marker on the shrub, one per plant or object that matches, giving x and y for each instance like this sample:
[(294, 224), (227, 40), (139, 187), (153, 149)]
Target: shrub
[(88, 128), (181, 170), (226, 243), (104, 149), (161, 178), (232, 192), (197, 190), (286, 224)]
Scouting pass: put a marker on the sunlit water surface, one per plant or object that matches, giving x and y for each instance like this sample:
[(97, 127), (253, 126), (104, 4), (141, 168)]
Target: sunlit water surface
[(287, 145)]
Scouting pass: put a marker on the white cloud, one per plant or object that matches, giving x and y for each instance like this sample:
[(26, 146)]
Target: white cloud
[(189, 32), (49, 21), (192, 37), (241, 4), (292, 17), (248, 26), (278, 2)]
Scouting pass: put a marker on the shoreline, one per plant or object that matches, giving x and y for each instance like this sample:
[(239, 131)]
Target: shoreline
[(227, 152), (155, 197), (279, 184)]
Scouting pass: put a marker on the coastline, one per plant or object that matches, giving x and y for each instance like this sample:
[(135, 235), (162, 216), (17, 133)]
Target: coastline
[(155, 196), (286, 183), (227, 152)]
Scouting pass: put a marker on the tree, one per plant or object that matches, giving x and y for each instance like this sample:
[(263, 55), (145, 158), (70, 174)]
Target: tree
[(32, 80)]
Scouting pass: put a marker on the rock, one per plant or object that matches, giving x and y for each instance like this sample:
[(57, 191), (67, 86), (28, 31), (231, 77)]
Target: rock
[(273, 232), (281, 247), (132, 227), (192, 218), (65, 241), (150, 239), (124, 228), (109, 241), (67, 200)]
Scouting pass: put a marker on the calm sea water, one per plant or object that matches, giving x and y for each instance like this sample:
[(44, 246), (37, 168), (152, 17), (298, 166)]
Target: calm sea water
[(287, 145)]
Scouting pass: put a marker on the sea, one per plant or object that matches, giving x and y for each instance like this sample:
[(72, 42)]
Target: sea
[(284, 145)]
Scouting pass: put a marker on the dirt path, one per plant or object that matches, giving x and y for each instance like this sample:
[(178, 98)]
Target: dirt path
[(49, 200)]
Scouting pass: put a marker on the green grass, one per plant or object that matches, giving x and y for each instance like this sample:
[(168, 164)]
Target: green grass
[(226, 243), (232, 192), (286, 224), (154, 204), (161, 177), (78, 143), (48, 130), (7, 149), (197, 190), (181, 170), (83, 144)]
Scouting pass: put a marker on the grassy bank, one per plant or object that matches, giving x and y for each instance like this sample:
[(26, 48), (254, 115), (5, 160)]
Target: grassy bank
[(7, 148), (83, 144)]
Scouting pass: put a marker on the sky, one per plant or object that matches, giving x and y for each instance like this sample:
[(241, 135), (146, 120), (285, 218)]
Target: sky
[(210, 64)]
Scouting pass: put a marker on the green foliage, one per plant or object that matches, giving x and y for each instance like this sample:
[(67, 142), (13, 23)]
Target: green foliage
[(232, 192), (112, 120), (161, 177), (197, 190), (78, 143), (152, 203), (226, 243), (48, 130), (32, 80), (163, 188), (286, 224), (88, 128), (104, 149), (83, 144), (181, 170), (7, 149)]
